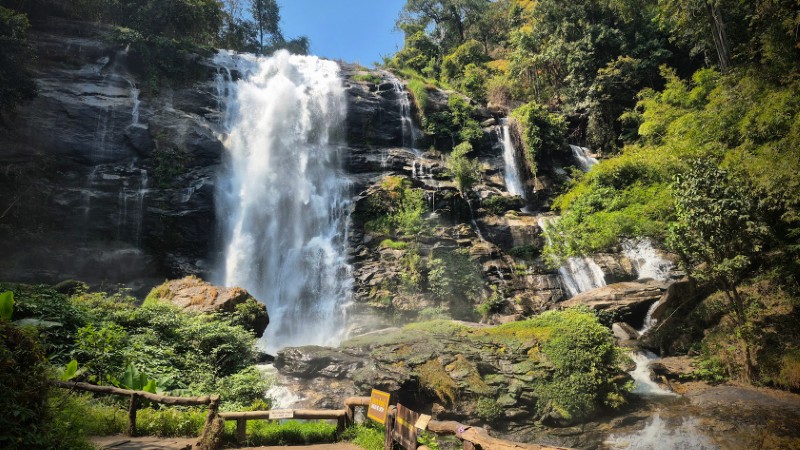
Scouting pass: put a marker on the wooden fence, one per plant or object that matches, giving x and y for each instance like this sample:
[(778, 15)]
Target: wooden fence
[(473, 438), (211, 400)]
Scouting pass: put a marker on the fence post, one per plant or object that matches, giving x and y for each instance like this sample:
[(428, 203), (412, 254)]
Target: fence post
[(132, 414), (241, 430), (388, 440)]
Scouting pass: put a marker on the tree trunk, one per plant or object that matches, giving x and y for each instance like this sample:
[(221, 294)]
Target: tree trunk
[(719, 35)]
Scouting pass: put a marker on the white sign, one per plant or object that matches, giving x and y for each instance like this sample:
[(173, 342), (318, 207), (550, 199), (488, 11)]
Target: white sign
[(281, 414), (422, 422)]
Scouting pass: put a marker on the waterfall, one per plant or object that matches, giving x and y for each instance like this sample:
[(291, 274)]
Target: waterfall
[(578, 274), (581, 155), (511, 172), (410, 132), (646, 259), (660, 434), (136, 102), (641, 375), (282, 199)]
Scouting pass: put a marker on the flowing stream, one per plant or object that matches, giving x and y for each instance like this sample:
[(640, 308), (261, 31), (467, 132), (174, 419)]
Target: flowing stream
[(282, 199)]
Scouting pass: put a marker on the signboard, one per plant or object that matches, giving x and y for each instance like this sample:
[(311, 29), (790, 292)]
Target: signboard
[(281, 414), (378, 406), (405, 430), (422, 422)]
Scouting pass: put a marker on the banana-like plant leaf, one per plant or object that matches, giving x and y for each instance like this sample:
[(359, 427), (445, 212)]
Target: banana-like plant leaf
[(71, 371), (6, 305), (151, 387), (38, 323)]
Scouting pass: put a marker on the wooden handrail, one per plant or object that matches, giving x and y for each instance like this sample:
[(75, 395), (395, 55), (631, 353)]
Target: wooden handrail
[(480, 437), (163, 399), (308, 414), (473, 437), (211, 400)]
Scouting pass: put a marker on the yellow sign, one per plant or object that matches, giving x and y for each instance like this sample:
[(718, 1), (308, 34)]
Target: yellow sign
[(378, 406)]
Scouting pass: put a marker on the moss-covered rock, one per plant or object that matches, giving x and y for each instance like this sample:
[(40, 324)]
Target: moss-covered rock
[(559, 367), (193, 294)]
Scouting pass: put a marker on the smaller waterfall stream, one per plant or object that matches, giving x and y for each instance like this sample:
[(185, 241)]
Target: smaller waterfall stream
[(581, 155), (644, 385), (410, 133), (578, 274), (511, 174)]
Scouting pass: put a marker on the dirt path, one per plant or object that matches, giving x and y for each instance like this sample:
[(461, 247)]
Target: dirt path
[(154, 443)]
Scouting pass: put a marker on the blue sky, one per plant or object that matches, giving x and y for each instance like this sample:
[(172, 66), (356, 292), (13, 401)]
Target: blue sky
[(353, 30)]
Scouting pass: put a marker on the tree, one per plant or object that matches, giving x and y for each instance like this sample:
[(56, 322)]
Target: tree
[(707, 25), (717, 234), (450, 18), (16, 83), (267, 17)]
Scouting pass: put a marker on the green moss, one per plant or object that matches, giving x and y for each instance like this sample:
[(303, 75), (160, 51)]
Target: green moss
[(434, 378), (368, 78)]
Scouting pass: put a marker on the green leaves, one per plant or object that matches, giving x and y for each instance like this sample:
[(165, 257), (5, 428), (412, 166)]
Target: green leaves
[(6, 305), (137, 381)]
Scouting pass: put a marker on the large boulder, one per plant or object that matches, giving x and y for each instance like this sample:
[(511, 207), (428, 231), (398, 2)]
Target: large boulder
[(628, 301), (193, 294)]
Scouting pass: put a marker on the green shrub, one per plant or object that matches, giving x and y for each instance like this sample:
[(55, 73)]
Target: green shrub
[(43, 303), (24, 388), (266, 433), (499, 204), (419, 94), (488, 409), (394, 245), (466, 171), (368, 78), (583, 360), (526, 252), (543, 133), (368, 436), (493, 304)]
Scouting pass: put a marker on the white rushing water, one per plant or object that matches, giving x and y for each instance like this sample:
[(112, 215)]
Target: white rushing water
[(581, 155), (647, 261), (578, 274), (661, 435), (641, 375), (282, 199), (410, 132), (511, 171)]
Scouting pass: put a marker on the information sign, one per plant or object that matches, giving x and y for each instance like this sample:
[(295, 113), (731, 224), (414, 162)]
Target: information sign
[(378, 406), (281, 414), (405, 430)]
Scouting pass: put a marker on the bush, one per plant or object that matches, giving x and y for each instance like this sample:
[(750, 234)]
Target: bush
[(466, 171), (419, 93), (368, 436), (583, 360), (499, 204), (488, 409), (265, 433), (543, 133), (24, 388)]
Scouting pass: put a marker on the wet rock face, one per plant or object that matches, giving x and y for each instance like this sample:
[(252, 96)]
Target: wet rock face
[(106, 183)]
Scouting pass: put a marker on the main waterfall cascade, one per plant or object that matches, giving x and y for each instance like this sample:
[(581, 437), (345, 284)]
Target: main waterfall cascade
[(282, 199)]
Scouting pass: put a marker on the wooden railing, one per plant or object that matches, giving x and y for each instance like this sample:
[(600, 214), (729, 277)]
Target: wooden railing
[(473, 438), (211, 400)]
